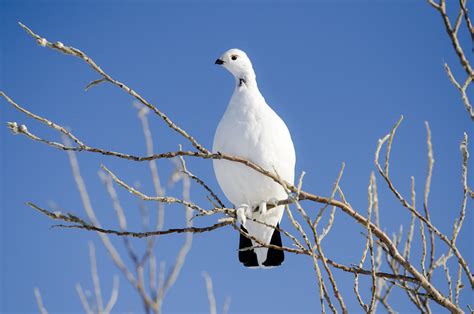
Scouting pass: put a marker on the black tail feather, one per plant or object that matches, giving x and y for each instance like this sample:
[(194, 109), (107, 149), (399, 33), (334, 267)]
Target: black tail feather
[(249, 257), (275, 257)]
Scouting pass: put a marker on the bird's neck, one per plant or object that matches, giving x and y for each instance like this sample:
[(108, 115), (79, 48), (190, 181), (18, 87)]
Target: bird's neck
[(246, 96), (246, 82)]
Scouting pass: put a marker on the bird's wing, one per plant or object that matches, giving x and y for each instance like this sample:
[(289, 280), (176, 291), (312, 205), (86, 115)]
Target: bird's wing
[(277, 149)]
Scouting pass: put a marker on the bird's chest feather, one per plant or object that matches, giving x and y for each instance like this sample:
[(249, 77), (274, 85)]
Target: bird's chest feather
[(252, 130), (245, 133)]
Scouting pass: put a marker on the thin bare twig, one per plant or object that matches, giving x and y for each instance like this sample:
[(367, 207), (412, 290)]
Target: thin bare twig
[(210, 293), (78, 223), (225, 308), (462, 214), (39, 301), (452, 32), (113, 295), (83, 298), (426, 196), (405, 204), (183, 252), (95, 279), (78, 53)]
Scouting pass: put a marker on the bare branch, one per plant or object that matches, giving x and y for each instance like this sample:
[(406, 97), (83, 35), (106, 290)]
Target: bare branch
[(183, 252), (462, 89), (160, 218), (94, 83), (459, 284), (462, 3), (78, 223), (405, 204), (78, 53), (200, 182), (82, 297), (462, 214), (407, 249), (164, 199), (332, 195), (453, 35), (113, 296), (39, 301), (454, 40), (96, 224), (427, 193), (210, 293), (95, 279), (225, 308), (368, 248)]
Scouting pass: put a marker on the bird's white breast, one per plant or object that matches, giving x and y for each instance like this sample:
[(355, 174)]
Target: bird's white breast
[(252, 130)]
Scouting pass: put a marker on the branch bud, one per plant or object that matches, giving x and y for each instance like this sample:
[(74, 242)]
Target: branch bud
[(42, 42), (13, 126)]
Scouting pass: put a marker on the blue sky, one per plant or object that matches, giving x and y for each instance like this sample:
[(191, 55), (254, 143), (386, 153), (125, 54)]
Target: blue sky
[(339, 73)]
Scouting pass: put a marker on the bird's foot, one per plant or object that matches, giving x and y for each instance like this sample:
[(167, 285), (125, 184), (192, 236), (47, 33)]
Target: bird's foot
[(242, 211), (263, 207), (273, 202)]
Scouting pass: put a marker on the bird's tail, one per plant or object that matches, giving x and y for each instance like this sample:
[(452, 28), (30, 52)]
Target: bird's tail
[(250, 258)]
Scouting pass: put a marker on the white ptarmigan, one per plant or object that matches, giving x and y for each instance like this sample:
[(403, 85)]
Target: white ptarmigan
[(252, 130)]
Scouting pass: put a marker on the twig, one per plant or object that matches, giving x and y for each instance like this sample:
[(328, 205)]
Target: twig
[(405, 204), (78, 53), (462, 89), (459, 284), (200, 182), (81, 224), (183, 252), (82, 297), (39, 301), (462, 214), (407, 249), (108, 182), (426, 195), (453, 35), (94, 83), (96, 224), (159, 191), (113, 295), (225, 308), (210, 293), (164, 199), (95, 278)]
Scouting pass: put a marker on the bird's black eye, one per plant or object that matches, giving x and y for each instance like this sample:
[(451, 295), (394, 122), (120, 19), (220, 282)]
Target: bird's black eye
[(234, 57)]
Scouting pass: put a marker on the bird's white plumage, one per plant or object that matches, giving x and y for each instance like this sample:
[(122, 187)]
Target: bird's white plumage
[(252, 130)]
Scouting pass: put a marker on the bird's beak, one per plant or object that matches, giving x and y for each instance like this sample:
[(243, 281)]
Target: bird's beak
[(219, 61)]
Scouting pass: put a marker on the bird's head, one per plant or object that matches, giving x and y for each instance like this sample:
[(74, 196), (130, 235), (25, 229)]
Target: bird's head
[(238, 64)]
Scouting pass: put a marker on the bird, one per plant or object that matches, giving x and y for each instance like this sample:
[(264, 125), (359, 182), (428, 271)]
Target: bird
[(250, 129)]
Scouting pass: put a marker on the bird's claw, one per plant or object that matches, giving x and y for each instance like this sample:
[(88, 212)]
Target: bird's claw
[(273, 201), (242, 212)]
